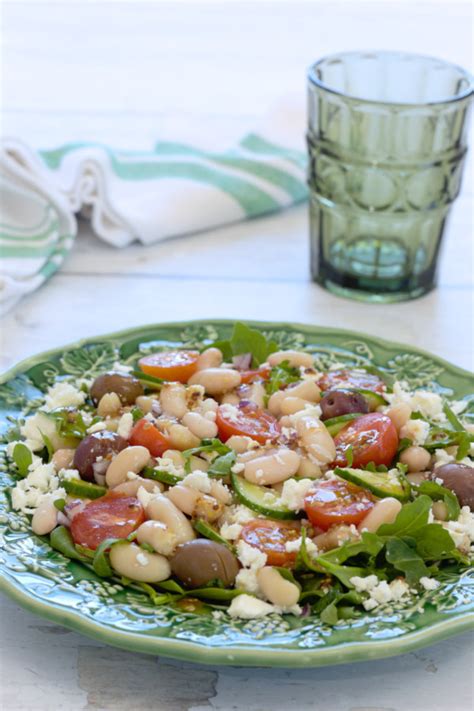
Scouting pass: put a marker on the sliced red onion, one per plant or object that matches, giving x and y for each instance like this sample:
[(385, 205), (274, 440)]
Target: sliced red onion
[(63, 520), (306, 610), (242, 362), (74, 507)]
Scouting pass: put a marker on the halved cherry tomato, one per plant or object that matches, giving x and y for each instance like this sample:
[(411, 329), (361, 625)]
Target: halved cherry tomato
[(337, 501), (248, 420), (373, 438), (351, 379), (270, 537), (170, 365), (111, 516), (145, 434), (253, 376)]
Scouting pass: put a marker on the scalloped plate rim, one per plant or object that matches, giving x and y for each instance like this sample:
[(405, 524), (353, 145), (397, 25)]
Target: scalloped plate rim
[(245, 655)]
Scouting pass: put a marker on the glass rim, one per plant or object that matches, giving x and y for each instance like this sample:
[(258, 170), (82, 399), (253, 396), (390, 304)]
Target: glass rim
[(468, 92)]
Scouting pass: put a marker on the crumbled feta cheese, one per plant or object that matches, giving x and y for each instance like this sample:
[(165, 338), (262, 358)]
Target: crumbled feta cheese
[(144, 496), (231, 531), (247, 607), (69, 474), (167, 465), (199, 481), (125, 425), (416, 430), (365, 584), (230, 412), (97, 427), (41, 483), (380, 592), (247, 580), (250, 557), (64, 395), (429, 583), (35, 427), (462, 530), (239, 514), (121, 367), (294, 546), (441, 456), (294, 492), (142, 559)]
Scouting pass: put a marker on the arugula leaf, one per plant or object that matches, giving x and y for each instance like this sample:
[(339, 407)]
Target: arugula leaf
[(411, 518), (101, 563), (69, 423), (330, 609), (433, 542), (403, 444), (303, 559), (23, 458), (404, 558), (246, 340), (344, 573), (222, 465), (286, 574), (48, 446), (281, 375), (61, 540), (156, 598), (370, 544), (207, 445), (436, 492), (214, 593)]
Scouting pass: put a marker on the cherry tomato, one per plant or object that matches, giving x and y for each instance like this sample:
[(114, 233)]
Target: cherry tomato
[(337, 501), (254, 376), (249, 420), (373, 438), (270, 537), (111, 516), (145, 434), (170, 365), (351, 379)]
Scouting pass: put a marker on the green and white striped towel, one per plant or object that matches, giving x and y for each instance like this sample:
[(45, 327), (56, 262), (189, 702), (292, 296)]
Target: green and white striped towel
[(130, 195)]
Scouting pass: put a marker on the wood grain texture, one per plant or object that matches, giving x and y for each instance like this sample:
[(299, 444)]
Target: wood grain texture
[(129, 74)]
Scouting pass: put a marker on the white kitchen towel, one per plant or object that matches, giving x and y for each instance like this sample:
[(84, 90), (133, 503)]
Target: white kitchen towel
[(172, 190)]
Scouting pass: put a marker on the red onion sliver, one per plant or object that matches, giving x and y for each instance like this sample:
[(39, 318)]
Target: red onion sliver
[(242, 362)]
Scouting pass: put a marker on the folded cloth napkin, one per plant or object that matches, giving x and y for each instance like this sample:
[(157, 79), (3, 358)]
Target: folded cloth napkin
[(172, 190)]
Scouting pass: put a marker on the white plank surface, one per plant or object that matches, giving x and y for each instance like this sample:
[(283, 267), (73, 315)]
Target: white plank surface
[(129, 74)]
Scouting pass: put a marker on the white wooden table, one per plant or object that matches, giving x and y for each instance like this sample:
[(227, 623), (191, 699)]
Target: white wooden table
[(129, 74)]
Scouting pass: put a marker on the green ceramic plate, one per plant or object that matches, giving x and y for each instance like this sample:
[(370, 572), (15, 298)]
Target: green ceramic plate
[(50, 585)]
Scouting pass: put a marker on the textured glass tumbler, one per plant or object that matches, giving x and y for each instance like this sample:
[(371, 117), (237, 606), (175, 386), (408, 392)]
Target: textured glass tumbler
[(387, 140)]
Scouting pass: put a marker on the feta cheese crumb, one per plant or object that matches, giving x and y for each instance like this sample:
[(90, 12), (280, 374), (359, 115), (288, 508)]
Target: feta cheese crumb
[(35, 427), (230, 412), (121, 367), (380, 592), (246, 579), (239, 514), (69, 474), (144, 496), (198, 481), (64, 395), (247, 607), (294, 546), (250, 557), (429, 583), (294, 492), (416, 430), (125, 425), (40, 484), (231, 531), (462, 530)]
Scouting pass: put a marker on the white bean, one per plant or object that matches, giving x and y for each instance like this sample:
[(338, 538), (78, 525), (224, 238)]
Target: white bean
[(274, 402), (145, 403), (209, 405), (183, 497), (109, 404), (208, 508), (210, 358), (63, 459), (440, 511), (198, 464), (335, 537), (45, 517), (295, 358), (308, 469), (256, 394), (276, 589), (416, 458), (131, 486), (216, 381), (278, 465), (157, 535), (162, 509), (315, 439), (384, 511), (173, 399), (133, 562), (240, 444), (220, 491), (399, 414), (176, 457), (180, 437), (199, 425), (130, 459), (230, 399), (289, 405), (306, 389)]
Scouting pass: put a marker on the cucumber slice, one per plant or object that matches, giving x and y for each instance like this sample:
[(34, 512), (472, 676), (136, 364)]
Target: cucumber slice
[(164, 477), (77, 487), (335, 424), (260, 499), (382, 484), (374, 400), (208, 531)]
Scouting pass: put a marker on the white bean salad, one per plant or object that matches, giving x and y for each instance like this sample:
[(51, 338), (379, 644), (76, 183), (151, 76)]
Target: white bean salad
[(242, 478)]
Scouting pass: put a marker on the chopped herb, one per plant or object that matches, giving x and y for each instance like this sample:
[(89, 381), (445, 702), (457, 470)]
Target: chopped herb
[(246, 340), (23, 458), (281, 376)]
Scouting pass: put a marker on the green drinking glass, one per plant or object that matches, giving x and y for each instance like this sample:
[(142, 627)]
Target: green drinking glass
[(387, 139)]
